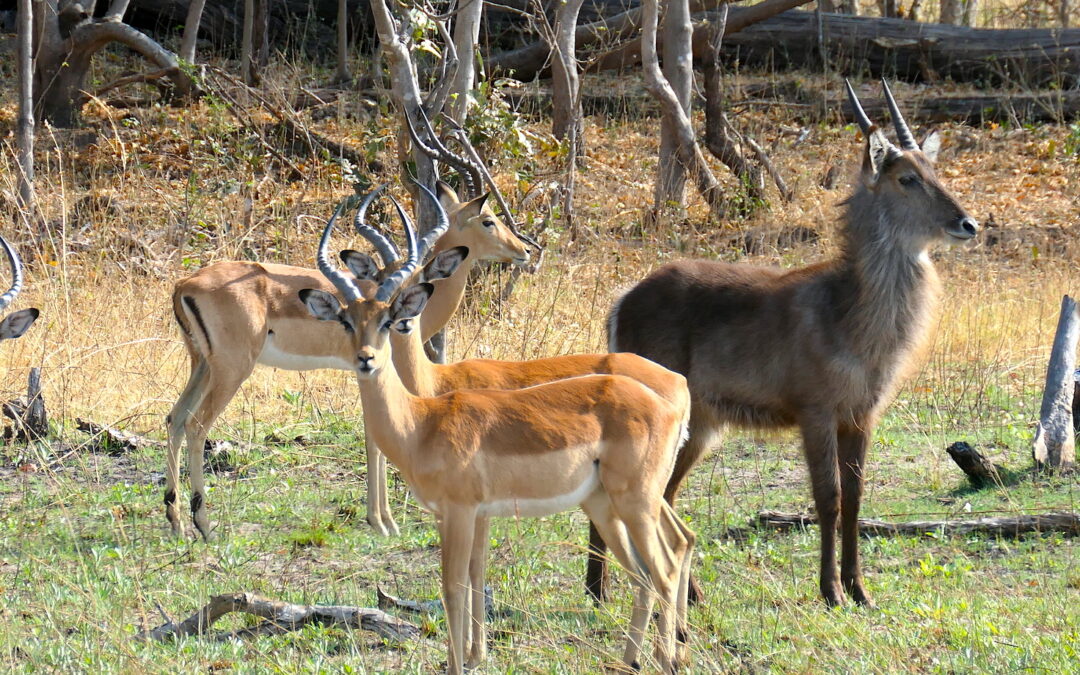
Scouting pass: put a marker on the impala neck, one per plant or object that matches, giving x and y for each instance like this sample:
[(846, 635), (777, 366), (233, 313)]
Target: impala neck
[(392, 415), (448, 292), (415, 369)]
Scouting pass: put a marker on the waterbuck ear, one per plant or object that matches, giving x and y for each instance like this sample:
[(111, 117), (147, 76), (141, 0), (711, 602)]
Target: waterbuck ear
[(362, 266), (16, 324), (877, 149), (447, 196), (411, 301), (931, 145), (322, 305), (446, 263), (473, 207)]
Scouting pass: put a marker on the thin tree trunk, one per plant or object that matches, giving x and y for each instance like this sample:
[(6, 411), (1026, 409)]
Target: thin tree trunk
[(191, 30), (565, 83), (343, 74), (245, 42), (466, 34), (1055, 440), (26, 108), (670, 190)]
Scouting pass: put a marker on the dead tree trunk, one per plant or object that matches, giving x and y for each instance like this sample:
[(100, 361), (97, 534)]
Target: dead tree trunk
[(343, 75), (191, 30), (25, 125), (565, 87), (466, 34), (670, 189), (1054, 437), (65, 45)]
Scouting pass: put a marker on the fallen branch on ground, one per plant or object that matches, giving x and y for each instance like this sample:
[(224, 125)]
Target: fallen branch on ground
[(113, 441), (1004, 526), (980, 471), (281, 617)]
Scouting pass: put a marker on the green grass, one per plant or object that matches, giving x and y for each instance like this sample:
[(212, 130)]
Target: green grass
[(85, 560)]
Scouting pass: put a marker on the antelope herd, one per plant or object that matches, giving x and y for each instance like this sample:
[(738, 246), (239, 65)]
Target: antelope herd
[(696, 346)]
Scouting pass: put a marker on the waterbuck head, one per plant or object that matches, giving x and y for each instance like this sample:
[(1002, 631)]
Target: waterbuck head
[(899, 197), (375, 303), (16, 323)]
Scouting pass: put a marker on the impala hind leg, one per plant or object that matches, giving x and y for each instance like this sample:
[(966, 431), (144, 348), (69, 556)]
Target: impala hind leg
[(176, 424), (456, 529), (663, 555), (477, 650), (674, 528), (378, 502)]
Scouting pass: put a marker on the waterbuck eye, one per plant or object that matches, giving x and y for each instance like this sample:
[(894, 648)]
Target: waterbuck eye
[(909, 179)]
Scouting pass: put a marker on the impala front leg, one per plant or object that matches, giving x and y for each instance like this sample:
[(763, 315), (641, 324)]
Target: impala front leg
[(378, 505), (478, 608), (456, 529)]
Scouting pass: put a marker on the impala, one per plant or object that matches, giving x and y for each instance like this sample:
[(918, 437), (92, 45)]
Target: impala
[(822, 348), (16, 323), (234, 315), (604, 442)]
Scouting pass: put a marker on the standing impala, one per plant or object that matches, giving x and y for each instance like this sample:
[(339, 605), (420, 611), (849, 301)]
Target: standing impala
[(604, 442), (823, 348), (16, 323), (234, 315)]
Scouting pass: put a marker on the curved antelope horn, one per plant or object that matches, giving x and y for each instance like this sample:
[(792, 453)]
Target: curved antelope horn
[(432, 235), (438, 150), (903, 133), (857, 110), (386, 249), (349, 290), (16, 275), (392, 283)]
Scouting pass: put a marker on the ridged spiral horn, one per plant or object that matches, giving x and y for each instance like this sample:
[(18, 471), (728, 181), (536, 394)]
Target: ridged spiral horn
[(390, 285), (385, 248), (16, 275), (903, 133), (349, 290)]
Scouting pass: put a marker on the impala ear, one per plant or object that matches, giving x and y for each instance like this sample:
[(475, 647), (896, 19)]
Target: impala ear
[(411, 301), (362, 266), (447, 196), (931, 145), (16, 324), (874, 156), (322, 305), (446, 263), (475, 206)]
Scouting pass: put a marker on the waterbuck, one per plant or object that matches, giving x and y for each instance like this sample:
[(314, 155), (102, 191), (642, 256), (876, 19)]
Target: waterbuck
[(822, 348)]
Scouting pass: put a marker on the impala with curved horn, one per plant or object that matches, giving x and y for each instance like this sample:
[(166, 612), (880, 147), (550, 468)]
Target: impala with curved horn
[(604, 442), (16, 323), (822, 348), (234, 315)]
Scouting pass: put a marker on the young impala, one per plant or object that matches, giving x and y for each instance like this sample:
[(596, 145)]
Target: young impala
[(16, 323), (234, 315), (604, 442), (823, 348)]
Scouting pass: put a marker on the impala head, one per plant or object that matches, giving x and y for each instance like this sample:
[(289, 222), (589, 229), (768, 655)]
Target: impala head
[(475, 225), (15, 324), (899, 188), (374, 300)]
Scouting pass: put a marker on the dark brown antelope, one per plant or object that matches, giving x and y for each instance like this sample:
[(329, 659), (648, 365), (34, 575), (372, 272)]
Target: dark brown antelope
[(822, 348), (16, 323)]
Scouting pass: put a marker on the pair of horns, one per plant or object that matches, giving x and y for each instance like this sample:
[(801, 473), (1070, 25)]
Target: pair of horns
[(416, 249), (903, 133), (16, 274)]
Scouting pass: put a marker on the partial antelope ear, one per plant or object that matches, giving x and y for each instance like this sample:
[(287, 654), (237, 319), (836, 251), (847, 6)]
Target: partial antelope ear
[(411, 301), (877, 150), (447, 196), (362, 266), (931, 145), (475, 206), (14, 325), (322, 305), (446, 263)]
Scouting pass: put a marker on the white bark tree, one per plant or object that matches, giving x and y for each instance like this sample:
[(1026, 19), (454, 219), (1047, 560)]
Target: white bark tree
[(670, 190), (191, 30), (25, 125), (466, 35), (565, 83)]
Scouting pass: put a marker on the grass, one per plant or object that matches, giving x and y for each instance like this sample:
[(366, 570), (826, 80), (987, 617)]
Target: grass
[(84, 555)]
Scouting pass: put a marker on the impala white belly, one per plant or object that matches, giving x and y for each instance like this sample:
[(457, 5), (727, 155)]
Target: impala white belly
[(276, 358), (535, 508)]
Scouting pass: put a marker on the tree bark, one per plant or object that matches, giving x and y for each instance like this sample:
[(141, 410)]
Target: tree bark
[(670, 189), (246, 74), (565, 83), (343, 74), (191, 30), (466, 34), (25, 125), (1054, 446)]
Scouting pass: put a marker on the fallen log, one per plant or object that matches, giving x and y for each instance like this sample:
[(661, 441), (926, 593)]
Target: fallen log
[(1003, 526), (980, 471), (279, 617), (112, 441), (911, 51), (29, 414)]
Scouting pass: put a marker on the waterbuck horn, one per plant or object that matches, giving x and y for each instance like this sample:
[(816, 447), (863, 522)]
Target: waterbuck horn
[(392, 283), (386, 249), (16, 275), (903, 133), (442, 224), (857, 110), (349, 290)]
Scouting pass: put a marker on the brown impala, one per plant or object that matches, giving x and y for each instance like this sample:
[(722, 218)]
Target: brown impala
[(823, 348)]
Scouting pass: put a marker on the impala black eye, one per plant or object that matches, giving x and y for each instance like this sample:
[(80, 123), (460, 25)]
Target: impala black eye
[(386, 326), (345, 322), (489, 223)]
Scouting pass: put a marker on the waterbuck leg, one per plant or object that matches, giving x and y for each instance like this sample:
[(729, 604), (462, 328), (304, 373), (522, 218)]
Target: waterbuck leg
[(597, 576), (852, 444), (819, 447)]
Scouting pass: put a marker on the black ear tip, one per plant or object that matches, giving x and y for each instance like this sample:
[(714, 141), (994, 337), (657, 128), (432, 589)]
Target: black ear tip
[(346, 254), (34, 312), (463, 250), (304, 295)]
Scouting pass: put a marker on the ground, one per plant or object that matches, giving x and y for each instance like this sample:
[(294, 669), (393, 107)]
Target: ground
[(141, 197)]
